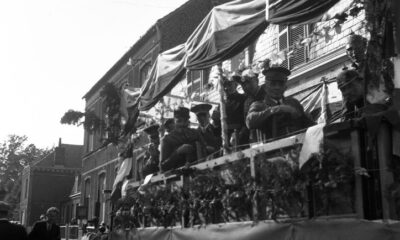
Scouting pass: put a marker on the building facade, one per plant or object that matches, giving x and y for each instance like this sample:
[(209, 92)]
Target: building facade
[(48, 182)]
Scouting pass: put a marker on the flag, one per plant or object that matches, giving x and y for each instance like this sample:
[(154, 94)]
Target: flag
[(128, 100), (167, 71), (226, 31)]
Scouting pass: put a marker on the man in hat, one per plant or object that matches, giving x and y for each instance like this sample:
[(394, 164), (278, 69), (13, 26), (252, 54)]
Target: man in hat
[(152, 155), (47, 230), (210, 133), (180, 146), (276, 115), (9, 230)]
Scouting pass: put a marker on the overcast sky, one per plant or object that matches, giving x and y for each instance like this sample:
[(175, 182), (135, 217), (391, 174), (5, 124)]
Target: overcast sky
[(53, 51)]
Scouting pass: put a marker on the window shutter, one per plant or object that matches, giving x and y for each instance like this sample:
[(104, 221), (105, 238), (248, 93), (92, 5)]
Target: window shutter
[(297, 32), (283, 43)]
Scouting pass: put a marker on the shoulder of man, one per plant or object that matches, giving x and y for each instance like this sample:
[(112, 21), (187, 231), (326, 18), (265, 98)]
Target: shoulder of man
[(257, 106), (293, 102)]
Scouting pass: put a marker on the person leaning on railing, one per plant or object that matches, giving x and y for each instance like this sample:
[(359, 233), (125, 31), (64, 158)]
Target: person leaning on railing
[(276, 115), (183, 145)]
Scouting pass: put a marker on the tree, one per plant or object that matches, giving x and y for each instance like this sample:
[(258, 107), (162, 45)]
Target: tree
[(15, 154)]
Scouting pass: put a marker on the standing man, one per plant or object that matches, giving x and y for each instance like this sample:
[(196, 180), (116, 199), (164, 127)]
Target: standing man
[(182, 145), (253, 92), (47, 230), (276, 115), (210, 133), (10, 231), (152, 156), (351, 84)]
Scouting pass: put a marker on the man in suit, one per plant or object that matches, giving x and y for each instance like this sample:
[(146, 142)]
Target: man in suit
[(210, 133), (9, 230), (276, 115), (47, 230), (181, 145)]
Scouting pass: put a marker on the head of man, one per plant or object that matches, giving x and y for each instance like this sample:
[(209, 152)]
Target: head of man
[(230, 85), (249, 82), (356, 48), (169, 125), (181, 117), (4, 209), (52, 214), (275, 81), (42, 217), (202, 112), (351, 84), (152, 132)]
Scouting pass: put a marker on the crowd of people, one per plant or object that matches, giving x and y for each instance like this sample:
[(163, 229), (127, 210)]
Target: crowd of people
[(260, 113)]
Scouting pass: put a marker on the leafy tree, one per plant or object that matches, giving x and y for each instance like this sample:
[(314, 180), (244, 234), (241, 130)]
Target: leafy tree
[(15, 154)]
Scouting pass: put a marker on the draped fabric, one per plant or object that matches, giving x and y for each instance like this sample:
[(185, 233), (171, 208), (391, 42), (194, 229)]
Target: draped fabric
[(226, 31), (166, 72), (333, 229), (322, 101), (298, 11)]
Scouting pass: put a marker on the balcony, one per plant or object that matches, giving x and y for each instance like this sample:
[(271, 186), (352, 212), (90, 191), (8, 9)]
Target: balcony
[(350, 179)]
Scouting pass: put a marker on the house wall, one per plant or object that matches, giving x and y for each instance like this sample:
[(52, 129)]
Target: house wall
[(49, 188)]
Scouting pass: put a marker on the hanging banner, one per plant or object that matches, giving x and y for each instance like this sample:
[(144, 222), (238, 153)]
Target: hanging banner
[(333, 229)]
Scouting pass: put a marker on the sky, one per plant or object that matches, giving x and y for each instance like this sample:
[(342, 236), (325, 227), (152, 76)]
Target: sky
[(53, 51)]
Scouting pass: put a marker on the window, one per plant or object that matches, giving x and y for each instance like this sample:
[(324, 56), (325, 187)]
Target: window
[(144, 72), (196, 82), (101, 199), (26, 188), (288, 36), (86, 196)]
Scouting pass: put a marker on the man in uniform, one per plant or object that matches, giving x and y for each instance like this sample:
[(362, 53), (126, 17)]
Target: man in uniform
[(180, 146), (351, 85), (152, 156), (210, 133), (9, 230), (276, 115)]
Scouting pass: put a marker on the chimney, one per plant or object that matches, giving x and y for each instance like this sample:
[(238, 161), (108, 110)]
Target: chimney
[(59, 155)]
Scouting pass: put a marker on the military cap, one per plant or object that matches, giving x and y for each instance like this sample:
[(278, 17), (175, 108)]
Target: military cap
[(4, 207), (281, 71), (152, 129), (181, 112), (201, 108), (346, 77), (247, 75)]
